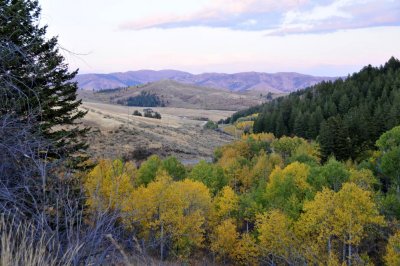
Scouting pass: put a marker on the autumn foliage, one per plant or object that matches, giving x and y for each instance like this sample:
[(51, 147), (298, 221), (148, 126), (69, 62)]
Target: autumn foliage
[(263, 201)]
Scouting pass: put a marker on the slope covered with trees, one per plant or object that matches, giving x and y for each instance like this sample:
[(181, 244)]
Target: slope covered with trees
[(264, 201), (347, 116)]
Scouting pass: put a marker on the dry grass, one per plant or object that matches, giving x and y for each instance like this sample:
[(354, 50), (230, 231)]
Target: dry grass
[(23, 244), (117, 133)]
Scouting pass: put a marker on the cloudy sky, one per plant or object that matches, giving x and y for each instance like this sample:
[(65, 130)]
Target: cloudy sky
[(314, 37)]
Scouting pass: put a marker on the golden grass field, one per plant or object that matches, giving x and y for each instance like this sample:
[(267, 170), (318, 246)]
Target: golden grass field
[(115, 132)]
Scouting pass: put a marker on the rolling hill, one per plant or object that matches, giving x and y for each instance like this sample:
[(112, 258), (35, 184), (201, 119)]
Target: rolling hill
[(282, 82), (175, 94)]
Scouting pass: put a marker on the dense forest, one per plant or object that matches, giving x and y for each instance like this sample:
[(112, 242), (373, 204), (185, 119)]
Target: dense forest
[(346, 116), (144, 99)]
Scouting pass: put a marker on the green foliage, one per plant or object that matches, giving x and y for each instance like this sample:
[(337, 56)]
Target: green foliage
[(331, 175), (174, 168), (348, 115), (389, 139), (113, 90), (252, 205), (211, 175), (144, 99), (148, 170), (389, 145), (36, 85), (211, 125)]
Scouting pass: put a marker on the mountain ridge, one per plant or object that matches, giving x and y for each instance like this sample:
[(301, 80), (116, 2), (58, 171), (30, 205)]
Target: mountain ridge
[(280, 82)]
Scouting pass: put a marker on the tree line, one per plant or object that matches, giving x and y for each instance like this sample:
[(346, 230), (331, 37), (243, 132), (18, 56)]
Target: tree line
[(144, 99), (345, 116)]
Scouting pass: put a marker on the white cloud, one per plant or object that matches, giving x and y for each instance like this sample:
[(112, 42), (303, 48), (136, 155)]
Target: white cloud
[(341, 14), (219, 13)]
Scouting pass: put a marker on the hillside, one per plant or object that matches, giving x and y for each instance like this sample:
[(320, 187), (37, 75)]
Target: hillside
[(115, 132), (246, 81), (347, 116), (175, 94)]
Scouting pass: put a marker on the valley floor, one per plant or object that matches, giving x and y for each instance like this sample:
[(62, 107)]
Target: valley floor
[(115, 132)]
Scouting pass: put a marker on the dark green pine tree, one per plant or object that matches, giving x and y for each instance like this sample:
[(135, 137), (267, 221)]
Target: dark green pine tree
[(334, 140), (31, 65)]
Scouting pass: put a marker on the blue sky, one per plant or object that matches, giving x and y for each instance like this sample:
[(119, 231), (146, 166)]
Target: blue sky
[(314, 37)]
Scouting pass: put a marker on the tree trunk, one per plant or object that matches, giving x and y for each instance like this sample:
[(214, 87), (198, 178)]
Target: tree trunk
[(329, 246), (162, 242), (349, 260), (344, 251)]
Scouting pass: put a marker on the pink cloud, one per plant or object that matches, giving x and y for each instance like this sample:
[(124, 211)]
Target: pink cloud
[(215, 12)]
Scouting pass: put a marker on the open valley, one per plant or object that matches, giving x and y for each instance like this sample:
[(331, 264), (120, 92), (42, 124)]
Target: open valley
[(115, 132)]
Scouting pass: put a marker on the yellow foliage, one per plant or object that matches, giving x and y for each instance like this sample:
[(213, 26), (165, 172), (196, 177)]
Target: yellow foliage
[(316, 224), (246, 250), (296, 171), (244, 179), (232, 130), (334, 219), (264, 165), (229, 157), (392, 257), (275, 234), (266, 137), (224, 205), (363, 178), (224, 238), (355, 209), (108, 184), (173, 211), (245, 125)]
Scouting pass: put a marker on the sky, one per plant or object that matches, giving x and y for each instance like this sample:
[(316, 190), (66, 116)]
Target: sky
[(324, 38)]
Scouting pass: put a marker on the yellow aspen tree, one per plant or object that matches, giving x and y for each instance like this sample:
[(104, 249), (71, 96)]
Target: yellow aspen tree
[(392, 256), (363, 178), (275, 235), (264, 165), (223, 240), (224, 205), (108, 184), (355, 210), (246, 251), (287, 188), (315, 227), (171, 212)]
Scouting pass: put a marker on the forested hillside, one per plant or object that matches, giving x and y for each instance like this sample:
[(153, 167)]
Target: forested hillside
[(346, 116), (264, 201)]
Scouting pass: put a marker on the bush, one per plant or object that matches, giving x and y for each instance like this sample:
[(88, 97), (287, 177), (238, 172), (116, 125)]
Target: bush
[(210, 125), (151, 114), (137, 113)]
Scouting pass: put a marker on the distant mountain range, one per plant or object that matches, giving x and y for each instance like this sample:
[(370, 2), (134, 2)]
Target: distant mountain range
[(282, 82)]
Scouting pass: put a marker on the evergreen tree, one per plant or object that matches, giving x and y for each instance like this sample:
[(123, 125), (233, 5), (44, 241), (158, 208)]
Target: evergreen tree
[(35, 83), (363, 106)]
